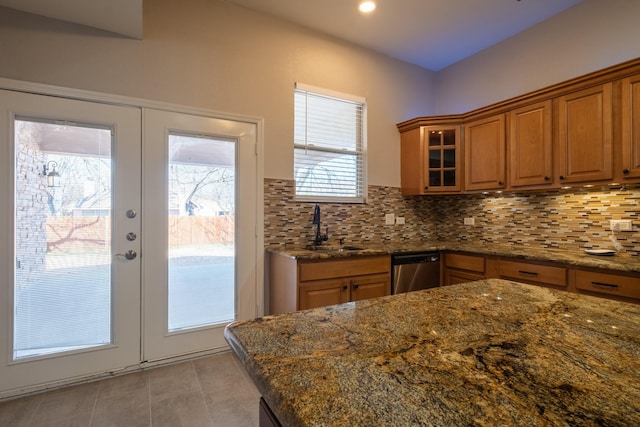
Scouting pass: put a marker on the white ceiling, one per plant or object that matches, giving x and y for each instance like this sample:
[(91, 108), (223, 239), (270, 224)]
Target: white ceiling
[(430, 33)]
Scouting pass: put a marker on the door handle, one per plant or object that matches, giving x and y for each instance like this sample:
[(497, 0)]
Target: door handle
[(129, 254)]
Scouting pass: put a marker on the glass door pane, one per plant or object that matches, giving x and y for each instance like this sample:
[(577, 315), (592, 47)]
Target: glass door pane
[(201, 198), (62, 237)]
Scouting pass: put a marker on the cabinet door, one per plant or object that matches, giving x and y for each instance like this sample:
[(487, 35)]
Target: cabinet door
[(373, 286), (535, 274), (451, 277), (585, 135), (457, 261), (530, 145), (631, 128), (607, 284), (442, 162), (484, 154), (412, 162), (321, 293)]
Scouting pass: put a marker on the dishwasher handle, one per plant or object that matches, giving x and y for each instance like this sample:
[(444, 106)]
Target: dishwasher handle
[(415, 258)]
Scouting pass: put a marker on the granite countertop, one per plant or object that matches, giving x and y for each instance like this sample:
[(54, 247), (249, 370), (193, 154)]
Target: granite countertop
[(620, 262), (485, 353)]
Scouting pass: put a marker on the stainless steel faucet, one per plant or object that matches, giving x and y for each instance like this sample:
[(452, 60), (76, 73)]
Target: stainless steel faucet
[(316, 220)]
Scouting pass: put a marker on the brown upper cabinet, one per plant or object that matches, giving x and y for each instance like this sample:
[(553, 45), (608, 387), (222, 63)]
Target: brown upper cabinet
[(585, 135), (443, 159), (630, 130), (484, 154), (585, 131), (530, 146), (430, 160)]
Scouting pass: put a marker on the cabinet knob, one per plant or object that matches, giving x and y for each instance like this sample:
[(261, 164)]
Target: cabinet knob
[(345, 287), (356, 286), (500, 182), (625, 171), (546, 178), (561, 176)]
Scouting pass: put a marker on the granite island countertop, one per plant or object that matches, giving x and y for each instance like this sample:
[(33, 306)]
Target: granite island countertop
[(620, 262), (485, 353)]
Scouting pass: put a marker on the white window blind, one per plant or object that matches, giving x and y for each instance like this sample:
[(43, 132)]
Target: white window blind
[(329, 146)]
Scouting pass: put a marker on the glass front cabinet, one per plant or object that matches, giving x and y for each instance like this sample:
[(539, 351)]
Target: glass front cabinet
[(430, 159), (442, 163)]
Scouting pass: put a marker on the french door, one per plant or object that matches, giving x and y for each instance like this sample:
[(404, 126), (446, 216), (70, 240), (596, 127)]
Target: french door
[(119, 239), (200, 225), (69, 174)]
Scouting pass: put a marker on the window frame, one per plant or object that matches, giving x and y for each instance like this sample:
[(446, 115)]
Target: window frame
[(360, 155)]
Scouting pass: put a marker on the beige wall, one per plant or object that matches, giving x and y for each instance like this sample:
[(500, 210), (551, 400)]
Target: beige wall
[(590, 36), (215, 55)]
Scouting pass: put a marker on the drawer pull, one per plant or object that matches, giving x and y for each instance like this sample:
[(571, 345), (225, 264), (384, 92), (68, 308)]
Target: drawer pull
[(356, 286), (606, 285), (529, 273)]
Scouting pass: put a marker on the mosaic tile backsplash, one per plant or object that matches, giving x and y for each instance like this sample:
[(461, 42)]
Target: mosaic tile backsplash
[(562, 219)]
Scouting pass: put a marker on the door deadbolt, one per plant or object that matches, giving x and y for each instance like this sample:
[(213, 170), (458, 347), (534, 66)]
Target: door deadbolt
[(131, 213), (131, 237)]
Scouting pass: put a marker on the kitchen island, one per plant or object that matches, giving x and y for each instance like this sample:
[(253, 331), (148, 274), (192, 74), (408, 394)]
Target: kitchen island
[(491, 352)]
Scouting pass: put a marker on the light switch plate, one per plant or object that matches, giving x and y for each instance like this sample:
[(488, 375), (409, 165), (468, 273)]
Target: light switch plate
[(470, 221), (400, 220)]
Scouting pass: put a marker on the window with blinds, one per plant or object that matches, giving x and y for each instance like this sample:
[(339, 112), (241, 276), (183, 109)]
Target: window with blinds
[(329, 146)]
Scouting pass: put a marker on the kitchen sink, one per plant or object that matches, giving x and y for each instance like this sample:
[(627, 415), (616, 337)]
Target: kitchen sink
[(334, 249)]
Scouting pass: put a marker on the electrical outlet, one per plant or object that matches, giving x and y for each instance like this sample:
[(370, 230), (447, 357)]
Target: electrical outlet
[(470, 221), (389, 219), (621, 225), (400, 220)]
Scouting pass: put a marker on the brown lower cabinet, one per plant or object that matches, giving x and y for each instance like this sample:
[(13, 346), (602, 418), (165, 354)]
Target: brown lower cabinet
[(320, 293), (608, 284), (461, 268), (303, 284), (619, 285), (535, 273)]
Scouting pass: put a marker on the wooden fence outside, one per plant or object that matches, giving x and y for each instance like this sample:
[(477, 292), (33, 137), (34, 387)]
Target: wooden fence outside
[(68, 233)]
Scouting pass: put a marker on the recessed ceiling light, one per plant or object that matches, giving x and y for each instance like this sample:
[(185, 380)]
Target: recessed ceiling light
[(367, 6)]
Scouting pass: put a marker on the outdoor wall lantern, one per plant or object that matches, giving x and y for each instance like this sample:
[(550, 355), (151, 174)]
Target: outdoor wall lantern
[(53, 177)]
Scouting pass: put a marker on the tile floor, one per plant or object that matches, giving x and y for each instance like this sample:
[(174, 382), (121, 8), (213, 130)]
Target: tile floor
[(212, 391)]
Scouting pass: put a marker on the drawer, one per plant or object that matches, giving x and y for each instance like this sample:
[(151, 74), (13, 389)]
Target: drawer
[(610, 284), (465, 262), (524, 271), (343, 267)]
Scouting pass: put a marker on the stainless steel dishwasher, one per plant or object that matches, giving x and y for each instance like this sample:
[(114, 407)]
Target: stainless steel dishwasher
[(415, 271)]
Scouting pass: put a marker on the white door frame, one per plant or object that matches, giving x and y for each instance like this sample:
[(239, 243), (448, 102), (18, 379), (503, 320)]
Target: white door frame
[(258, 293)]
